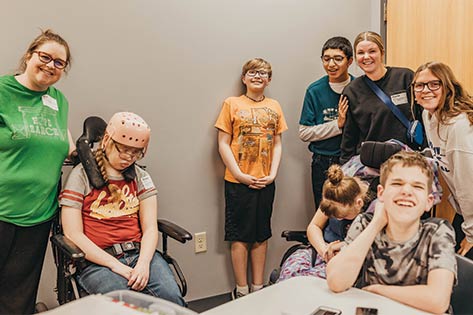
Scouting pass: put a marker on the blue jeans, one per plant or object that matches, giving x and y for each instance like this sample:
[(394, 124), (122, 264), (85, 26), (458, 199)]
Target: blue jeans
[(320, 165), (99, 279)]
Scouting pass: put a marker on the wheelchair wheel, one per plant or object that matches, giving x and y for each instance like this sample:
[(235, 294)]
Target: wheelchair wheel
[(291, 250), (274, 276), (40, 307)]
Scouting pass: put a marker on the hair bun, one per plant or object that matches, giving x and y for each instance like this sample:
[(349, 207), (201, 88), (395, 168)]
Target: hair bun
[(335, 174)]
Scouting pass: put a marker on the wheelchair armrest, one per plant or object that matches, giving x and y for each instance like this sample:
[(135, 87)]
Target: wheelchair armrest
[(174, 231), (67, 247), (298, 236)]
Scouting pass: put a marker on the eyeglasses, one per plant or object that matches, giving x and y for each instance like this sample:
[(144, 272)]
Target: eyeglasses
[(336, 59), (253, 73), (125, 151), (47, 58), (433, 85)]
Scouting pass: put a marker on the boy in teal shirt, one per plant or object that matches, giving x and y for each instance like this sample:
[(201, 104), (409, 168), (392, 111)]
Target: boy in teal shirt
[(324, 111)]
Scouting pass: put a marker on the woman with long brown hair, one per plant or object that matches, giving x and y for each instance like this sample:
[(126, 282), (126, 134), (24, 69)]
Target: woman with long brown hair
[(448, 121)]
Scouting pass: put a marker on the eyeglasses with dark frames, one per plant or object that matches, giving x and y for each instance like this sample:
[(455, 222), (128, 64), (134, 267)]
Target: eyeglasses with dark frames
[(253, 73), (433, 85), (127, 151), (47, 58), (338, 59)]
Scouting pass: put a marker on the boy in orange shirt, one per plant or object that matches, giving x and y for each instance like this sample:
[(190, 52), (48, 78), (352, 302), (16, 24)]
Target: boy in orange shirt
[(249, 140)]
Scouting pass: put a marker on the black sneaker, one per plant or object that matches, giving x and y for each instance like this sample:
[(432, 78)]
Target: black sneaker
[(236, 294)]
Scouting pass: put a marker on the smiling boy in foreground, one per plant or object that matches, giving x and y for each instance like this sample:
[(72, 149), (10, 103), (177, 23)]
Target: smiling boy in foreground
[(393, 253)]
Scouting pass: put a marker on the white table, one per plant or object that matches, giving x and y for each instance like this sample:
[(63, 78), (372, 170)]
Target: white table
[(105, 305), (302, 295)]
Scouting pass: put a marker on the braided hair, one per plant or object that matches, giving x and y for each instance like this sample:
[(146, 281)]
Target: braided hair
[(99, 157)]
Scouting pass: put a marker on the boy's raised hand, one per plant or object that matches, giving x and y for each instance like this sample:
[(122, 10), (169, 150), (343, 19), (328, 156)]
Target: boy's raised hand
[(380, 217), (342, 111)]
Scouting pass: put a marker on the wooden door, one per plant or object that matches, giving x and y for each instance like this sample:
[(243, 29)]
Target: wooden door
[(418, 31)]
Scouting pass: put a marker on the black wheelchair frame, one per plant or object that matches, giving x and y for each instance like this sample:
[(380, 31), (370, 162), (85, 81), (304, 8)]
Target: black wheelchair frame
[(68, 257)]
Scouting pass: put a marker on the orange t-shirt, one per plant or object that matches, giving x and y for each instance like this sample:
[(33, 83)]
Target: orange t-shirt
[(253, 126)]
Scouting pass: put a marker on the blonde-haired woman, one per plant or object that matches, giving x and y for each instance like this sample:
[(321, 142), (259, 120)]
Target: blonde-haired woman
[(368, 118), (448, 120)]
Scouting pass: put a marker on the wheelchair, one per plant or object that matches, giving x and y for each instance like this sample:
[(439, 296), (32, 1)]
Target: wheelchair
[(68, 258), (461, 295), (372, 155)]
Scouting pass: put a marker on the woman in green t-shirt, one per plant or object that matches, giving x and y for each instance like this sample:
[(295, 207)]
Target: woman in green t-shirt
[(34, 142)]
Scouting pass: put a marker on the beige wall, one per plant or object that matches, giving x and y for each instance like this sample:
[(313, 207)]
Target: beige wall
[(174, 62)]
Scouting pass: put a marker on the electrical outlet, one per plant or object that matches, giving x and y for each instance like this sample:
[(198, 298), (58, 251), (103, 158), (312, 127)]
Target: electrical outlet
[(200, 242)]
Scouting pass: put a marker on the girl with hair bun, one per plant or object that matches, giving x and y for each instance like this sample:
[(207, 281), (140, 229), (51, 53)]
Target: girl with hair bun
[(343, 198)]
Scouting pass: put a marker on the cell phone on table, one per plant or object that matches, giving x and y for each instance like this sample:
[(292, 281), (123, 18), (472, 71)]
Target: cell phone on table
[(366, 311), (325, 310)]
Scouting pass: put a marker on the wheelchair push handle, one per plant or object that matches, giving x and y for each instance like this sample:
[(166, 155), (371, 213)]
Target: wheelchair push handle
[(295, 236)]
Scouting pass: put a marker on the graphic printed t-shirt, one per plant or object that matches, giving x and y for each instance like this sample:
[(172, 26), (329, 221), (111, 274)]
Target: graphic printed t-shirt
[(406, 263), (253, 126), (33, 146), (107, 222)]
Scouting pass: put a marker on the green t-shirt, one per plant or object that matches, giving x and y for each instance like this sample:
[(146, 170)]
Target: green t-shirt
[(33, 146)]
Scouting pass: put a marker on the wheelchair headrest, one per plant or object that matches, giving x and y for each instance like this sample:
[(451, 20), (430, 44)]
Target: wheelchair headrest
[(373, 153), (93, 131)]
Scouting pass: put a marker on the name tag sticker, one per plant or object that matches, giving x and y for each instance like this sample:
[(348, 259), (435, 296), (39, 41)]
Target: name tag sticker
[(49, 101), (400, 98), (147, 182)]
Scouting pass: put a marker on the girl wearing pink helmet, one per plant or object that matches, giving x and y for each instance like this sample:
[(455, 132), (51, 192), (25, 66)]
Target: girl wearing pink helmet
[(116, 225)]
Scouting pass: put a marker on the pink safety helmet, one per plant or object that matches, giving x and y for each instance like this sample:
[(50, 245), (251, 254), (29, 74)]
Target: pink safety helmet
[(129, 129)]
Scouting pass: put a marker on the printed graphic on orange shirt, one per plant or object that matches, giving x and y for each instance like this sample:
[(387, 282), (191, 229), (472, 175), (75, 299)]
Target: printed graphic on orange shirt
[(255, 139), (103, 207)]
